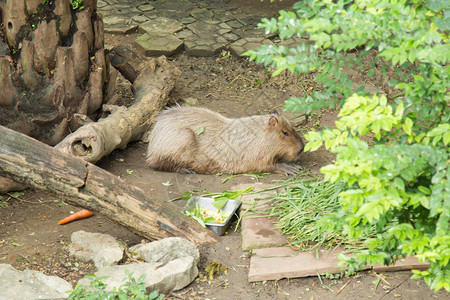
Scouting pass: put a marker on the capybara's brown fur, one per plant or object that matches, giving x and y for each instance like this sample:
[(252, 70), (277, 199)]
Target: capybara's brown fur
[(193, 139)]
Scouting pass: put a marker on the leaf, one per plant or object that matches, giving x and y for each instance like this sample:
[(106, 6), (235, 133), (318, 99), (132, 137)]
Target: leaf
[(16, 244), (407, 126), (214, 268), (220, 201), (436, 5), (200, 131)]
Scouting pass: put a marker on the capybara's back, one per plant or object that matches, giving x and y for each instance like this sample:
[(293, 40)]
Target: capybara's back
[(193, 139)]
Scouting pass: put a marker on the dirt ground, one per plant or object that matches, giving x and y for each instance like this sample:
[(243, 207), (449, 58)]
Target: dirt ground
[(30, 237)]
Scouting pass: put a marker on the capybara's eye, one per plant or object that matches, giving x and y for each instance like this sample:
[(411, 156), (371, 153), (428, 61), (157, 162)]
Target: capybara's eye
[(285, 133)]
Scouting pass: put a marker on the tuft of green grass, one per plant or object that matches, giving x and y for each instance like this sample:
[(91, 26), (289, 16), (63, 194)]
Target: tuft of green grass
[(300, 208)]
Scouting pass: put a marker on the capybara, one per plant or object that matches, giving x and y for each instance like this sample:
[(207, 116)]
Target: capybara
[(198, 140)]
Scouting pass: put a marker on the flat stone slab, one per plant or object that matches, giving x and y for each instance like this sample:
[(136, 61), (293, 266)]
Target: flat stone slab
[(28, 284), (118, 24), (204, 45), (407, 263), (202, 14), (140, 19), (145, 7), (157, 44), (161, 25), (203, 28), (248, 43), (256, 229), (283, 262), (293, 42)]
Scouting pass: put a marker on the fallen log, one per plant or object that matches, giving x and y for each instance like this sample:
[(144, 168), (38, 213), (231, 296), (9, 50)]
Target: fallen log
[(29, 161), (153, 79)]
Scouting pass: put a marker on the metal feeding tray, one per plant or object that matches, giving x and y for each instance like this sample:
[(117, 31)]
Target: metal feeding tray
[(207, 203)]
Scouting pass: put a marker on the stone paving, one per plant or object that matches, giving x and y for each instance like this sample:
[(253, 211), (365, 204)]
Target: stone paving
[(201, 27)]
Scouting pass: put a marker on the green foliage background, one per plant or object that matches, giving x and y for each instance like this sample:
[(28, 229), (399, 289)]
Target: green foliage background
[(400, 186)]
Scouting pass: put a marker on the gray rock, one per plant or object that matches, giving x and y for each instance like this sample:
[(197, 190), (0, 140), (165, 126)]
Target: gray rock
[(173, 276), (171, 264), (156, 44), (29, 284), (161, 25), (164, 250), (102, 249)]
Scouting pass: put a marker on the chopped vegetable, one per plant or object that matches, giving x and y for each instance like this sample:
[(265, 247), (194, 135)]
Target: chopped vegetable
[(203, 215), (84, 213), (221, 200)]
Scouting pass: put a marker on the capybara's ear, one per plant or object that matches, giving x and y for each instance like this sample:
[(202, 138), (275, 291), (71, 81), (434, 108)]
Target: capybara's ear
[(273, 121), (274, 112)]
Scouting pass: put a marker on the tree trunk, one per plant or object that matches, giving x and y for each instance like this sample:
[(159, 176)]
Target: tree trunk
[(26, 160), (153, 80), (52, 66)]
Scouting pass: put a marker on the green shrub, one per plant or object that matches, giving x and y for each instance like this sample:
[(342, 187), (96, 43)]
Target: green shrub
[(400, 186)]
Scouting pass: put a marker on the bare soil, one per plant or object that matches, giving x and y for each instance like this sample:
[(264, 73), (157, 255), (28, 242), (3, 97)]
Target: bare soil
[(30, 237)]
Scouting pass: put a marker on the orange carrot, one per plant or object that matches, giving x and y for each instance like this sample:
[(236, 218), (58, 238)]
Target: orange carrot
[(84, 213)]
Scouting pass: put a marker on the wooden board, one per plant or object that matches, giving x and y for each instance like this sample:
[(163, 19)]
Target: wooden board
[(283, 262)]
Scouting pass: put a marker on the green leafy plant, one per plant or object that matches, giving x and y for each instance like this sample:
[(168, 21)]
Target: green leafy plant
[(76, 4), (398, 188), (131, 289), (400, 191), (411, 36), (221, 200)]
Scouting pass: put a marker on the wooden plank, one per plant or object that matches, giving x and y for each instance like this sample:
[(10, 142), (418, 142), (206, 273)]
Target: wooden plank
[(283, 262), (407, 263)]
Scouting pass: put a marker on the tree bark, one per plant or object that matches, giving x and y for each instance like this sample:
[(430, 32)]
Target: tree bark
[(153, 80), (52, 66), (28, 161)]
